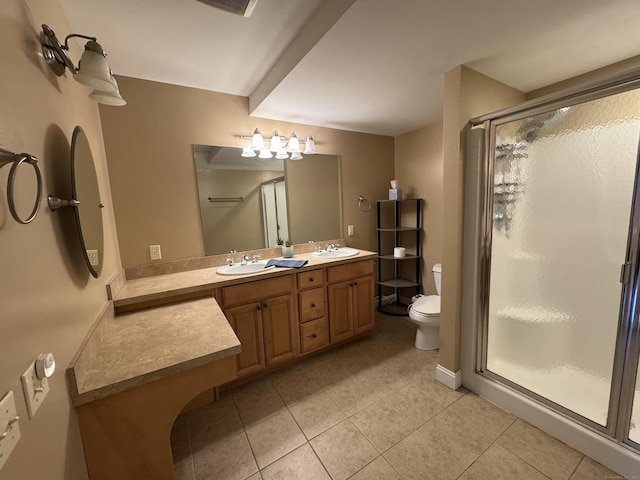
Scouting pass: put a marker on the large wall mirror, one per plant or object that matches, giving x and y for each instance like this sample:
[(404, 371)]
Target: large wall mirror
[(250, 203)]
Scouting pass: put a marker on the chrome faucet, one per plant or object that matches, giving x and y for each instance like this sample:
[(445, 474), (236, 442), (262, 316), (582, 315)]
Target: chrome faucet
[(245, 259), (332, 246), (230, 260)]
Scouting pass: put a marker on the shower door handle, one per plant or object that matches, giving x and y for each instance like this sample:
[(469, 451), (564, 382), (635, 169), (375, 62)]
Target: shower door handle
[(625, 273)]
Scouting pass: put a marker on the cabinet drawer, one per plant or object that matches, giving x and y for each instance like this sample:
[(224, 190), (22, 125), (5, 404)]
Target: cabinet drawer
[(340, 273), (311, 304), (314, 335), (314, 278), (253, 291)]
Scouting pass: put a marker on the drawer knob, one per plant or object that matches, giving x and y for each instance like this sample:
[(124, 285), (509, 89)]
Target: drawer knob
[(314, 335), (313, 305), (311, 279)]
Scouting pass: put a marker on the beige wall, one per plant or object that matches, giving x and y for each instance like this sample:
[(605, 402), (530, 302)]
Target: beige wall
[(153, 181), (467, 94), (418, 169), (48, 300)]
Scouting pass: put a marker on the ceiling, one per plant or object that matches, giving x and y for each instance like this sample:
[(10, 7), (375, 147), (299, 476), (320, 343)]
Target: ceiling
[(373, 66)]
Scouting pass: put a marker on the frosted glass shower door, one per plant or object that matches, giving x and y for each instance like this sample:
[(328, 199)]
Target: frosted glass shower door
[(562, 193)]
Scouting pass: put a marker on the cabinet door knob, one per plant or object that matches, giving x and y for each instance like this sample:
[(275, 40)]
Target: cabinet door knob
[(259, 307), (313, 305), (314, 335), (355, 283)]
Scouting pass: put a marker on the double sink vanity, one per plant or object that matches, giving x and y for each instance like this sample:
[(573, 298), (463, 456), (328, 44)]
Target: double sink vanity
[(165, 339)]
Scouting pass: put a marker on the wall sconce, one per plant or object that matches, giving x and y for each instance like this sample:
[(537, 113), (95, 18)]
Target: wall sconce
[(281, 146), (93, 69)]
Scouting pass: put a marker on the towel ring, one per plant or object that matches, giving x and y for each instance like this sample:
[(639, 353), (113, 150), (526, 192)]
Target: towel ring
[(18, 159), (363, 204)]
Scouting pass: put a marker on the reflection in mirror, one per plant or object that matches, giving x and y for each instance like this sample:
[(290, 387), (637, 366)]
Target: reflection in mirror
[(88, 209), (248, 203)]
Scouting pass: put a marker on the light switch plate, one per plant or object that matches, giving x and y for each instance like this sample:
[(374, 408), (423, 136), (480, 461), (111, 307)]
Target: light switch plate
[(351, 230), (34, 389), (8, 426)]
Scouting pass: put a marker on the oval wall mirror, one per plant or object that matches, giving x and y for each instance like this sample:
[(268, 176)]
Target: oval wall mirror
[(85, 201), (88, 209)]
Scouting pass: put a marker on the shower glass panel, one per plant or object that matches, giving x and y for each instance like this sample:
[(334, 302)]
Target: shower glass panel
[(562, 191)]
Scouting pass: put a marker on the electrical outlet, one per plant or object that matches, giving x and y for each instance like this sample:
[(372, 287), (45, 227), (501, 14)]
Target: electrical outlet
[(94, 258), (154, 252), (351, 230), (35, 389), (9, 427)]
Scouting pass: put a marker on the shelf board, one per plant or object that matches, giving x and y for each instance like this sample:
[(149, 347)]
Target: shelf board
[(398, 283), (398, 229), (407, 257), (401, 200), (396, 309)]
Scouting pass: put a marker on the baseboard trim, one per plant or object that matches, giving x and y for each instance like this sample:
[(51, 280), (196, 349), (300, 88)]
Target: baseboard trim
[(449, 378)]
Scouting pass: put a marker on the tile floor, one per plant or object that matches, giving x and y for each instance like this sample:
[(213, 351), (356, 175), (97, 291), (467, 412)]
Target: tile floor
[(369, 410)]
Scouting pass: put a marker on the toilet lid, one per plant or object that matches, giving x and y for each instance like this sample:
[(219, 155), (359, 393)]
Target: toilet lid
[(429, 305)]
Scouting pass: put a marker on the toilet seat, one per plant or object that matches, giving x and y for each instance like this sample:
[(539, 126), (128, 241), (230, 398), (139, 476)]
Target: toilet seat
[(428, 306)]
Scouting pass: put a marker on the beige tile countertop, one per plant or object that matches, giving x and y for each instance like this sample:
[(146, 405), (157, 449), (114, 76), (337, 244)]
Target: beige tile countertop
[(173, 284), (139, 347)]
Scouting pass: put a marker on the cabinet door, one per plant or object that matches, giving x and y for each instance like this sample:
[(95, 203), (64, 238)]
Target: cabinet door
[(340, 311), (246, 321), (362, 304), (280, 330)]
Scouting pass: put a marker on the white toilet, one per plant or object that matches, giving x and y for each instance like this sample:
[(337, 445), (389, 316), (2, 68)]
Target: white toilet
[(425, 313)]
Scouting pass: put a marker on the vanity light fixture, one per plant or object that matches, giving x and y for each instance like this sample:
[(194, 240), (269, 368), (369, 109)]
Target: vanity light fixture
[(278, 145), (92, 71)]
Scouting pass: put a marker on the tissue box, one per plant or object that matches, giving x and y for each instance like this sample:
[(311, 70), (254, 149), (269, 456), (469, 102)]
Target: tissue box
[(395, 194)]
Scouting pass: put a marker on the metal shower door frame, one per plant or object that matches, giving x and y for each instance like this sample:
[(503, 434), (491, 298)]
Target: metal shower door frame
[(627, 350)]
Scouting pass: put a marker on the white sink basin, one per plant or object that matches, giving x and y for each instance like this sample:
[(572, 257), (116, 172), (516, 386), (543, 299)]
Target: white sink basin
[(251, 267), (339, 253)]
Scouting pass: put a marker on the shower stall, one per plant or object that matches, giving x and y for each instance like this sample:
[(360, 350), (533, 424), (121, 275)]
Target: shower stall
[(550, 327)]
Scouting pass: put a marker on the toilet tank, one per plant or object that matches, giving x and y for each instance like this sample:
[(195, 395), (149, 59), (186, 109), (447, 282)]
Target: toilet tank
[(437, 276)]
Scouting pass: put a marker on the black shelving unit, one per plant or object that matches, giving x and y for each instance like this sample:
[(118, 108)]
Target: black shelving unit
[(399, 276)]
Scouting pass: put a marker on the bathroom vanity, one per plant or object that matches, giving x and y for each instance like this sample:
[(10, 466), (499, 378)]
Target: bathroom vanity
[(165, 339)]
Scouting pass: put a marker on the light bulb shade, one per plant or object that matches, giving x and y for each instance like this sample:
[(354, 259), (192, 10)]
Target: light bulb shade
[(247, 151), (257, 142), (265, 153), (282, 154), (294, 144), (276, 142), (109, 98), (296, 156), (93, 71), (310, 146)]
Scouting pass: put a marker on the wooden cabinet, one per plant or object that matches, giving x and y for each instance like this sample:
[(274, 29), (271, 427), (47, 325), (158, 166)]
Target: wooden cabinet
[(314, 328), (278, 319), (350, 299), (267, 326)]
